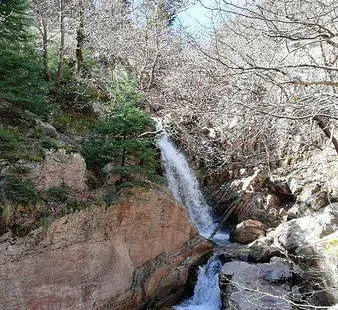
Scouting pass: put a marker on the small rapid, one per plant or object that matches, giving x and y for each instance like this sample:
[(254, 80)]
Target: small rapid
[(185, 188), (206, 293)]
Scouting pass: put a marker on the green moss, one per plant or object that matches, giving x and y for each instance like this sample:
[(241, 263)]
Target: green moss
[(75, 123)]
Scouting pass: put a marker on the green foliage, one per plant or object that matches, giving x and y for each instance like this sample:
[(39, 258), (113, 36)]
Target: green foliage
[(48, 143), (14, 21), (75, 122), (21, 71), (120, 139), (117, 139), (72, 206), (57, 194), (12, 147), (9, 139), (18, 143), (125, 91), (62, 198), (18, 191)]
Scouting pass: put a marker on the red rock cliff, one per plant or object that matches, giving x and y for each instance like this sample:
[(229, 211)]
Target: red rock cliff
[(136, 252)]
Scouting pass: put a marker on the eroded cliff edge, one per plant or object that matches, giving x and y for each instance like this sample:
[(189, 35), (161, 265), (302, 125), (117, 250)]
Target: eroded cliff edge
[(133, 254)]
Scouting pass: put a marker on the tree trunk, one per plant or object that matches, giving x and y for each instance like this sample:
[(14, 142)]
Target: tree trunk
[(324, 125), (80, 39), (45, 47), (44, 34), (62, 48)]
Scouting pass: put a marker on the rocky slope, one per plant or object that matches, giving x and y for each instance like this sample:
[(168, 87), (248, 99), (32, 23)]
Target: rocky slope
[(300, 237), (133, 254)]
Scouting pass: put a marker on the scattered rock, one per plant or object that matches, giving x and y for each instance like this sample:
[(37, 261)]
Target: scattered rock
[(248, 231), (311, 243)]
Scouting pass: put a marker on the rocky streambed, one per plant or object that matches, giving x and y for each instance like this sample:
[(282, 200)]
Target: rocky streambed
[(289, 253)]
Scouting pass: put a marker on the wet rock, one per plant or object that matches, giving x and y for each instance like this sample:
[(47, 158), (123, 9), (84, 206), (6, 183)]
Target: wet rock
[(261, 252), (246, 286), (248, 231), (125, 257), (232, 251)]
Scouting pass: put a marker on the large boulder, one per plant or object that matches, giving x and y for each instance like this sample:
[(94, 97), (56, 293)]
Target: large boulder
[(260, 198), (246, 286), (248, 231), (125, 257)]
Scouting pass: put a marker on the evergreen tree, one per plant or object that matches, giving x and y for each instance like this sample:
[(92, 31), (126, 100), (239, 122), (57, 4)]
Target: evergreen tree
[(120, 139), (21, 71)]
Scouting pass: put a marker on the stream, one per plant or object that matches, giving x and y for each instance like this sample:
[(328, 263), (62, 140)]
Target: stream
[(185, 188)]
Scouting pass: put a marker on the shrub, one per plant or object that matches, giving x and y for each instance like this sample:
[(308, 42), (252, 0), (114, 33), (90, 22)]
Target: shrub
[(57, 194), (9, 139), (75, 122), (120, 139), (18, 191), (125, 91)]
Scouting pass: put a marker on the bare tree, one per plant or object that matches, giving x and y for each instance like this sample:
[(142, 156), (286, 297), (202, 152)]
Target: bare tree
[(62, 46), (43, 29), (282, 56)]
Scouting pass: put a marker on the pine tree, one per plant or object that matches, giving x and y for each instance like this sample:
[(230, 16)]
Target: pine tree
[(21, 70), (119, 139)]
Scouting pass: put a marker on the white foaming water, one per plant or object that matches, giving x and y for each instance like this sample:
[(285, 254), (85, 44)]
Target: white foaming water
[(206, 293), (184, 185)]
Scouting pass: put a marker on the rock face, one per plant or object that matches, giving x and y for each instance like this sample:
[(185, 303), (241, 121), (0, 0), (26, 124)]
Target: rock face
[(262, 286), (59, 168), (314, 182), (133, 254), (261, 199), (248, 231), (311, 243)]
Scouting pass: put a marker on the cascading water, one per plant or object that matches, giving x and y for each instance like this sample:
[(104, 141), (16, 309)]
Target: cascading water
[(184, 185), (206, 293)]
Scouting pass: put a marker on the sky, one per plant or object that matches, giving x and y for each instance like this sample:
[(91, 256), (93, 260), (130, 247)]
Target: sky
[(196, 17)]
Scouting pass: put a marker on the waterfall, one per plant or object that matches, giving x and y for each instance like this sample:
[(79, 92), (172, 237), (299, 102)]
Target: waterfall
[(184, 186), (206, 293)]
